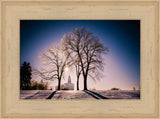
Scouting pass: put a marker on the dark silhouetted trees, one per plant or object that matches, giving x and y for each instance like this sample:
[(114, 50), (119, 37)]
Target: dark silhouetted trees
[(25, 76)]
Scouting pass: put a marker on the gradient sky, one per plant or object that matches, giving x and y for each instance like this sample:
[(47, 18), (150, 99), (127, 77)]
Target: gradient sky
[(122, 37)]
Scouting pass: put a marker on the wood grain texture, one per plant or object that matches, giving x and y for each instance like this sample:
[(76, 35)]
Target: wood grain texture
[(14, 11)]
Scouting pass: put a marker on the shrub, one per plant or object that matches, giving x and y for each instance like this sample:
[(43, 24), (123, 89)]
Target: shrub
[(62, 87), (134, 88), (38, 86), (115, 89)]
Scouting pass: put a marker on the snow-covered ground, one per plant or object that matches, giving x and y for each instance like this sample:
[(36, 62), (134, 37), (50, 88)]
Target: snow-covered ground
[(88, 94)]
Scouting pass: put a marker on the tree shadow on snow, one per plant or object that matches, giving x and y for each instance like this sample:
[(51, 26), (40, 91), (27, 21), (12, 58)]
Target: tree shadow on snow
[(51, 95), (30, 97), (94, 94)]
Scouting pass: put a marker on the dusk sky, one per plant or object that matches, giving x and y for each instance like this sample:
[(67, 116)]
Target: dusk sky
[(122, 37)]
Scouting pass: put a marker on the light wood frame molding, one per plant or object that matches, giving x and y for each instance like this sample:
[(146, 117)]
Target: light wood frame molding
[(12, 11)]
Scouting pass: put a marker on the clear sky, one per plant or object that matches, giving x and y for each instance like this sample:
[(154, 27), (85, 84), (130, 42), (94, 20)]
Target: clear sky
[(122, 37)]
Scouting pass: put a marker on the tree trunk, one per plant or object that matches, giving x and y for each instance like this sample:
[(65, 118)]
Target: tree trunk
[(77, 82), (85, 83), (59, 84)]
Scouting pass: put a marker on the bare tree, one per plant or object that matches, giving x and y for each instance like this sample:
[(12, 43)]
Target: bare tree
[(74, 60), (89, 50), (54, 62)]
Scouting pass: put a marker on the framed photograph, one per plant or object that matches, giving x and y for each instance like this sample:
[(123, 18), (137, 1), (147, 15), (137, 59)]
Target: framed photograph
[(56, 64), (79, 59)]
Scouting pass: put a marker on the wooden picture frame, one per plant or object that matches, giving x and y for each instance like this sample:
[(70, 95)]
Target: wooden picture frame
[(12, 11)]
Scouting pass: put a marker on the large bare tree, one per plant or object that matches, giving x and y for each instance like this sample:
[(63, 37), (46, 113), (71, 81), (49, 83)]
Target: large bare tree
[(54, 62), (89, 50)]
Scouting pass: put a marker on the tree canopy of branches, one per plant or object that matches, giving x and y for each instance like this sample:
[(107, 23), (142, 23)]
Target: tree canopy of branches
[(54, 62), (87, 51), (25, 76)]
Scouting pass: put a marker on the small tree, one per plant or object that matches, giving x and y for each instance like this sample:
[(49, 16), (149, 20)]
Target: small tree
[(54, 62), (25, 76)]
